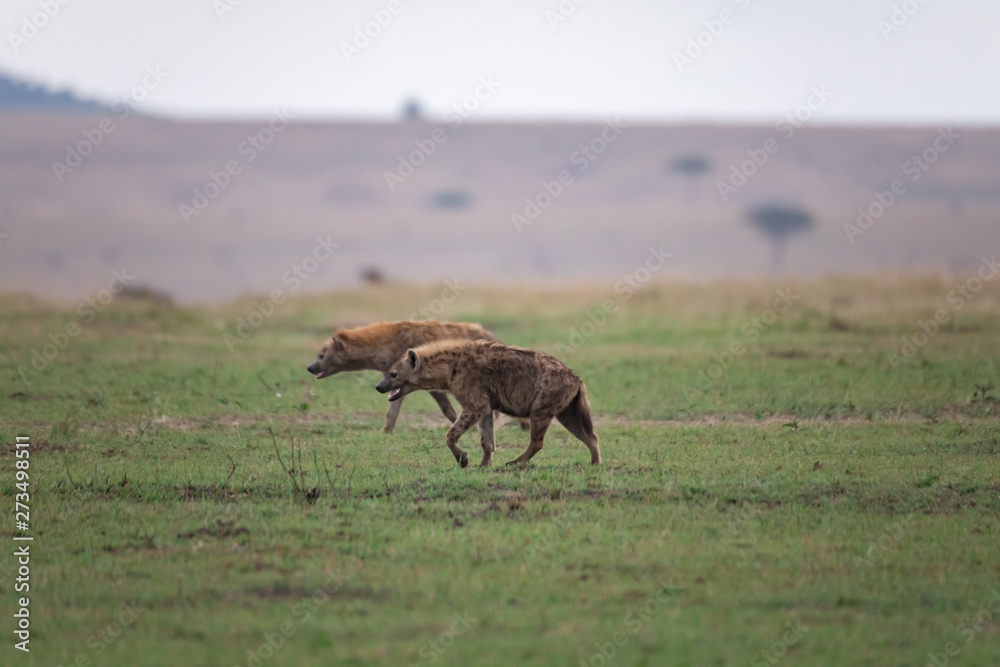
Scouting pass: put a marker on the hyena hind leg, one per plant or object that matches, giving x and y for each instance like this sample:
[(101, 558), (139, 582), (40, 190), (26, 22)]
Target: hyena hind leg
[(576, 419), (486, 438), (538, 428)]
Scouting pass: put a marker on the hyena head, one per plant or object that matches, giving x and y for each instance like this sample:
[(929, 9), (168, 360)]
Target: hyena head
[(331, 359), (403, 377)]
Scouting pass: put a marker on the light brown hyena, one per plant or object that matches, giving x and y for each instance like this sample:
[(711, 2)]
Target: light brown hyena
[(485, 376), (378, 346)]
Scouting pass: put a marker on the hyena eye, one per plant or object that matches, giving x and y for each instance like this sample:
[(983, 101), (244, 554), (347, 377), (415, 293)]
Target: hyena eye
[(393, 375)]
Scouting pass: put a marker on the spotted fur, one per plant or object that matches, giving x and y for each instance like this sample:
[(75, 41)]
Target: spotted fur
[(486, 375)]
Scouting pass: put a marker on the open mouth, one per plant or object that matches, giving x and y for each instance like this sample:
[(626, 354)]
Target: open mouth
[(395, 393), (322, 374)]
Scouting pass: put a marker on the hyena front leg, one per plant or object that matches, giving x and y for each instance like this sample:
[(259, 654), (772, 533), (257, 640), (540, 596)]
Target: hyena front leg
[(390, 416), (486, 438), (538, 428), (442, 400), (461, 425)]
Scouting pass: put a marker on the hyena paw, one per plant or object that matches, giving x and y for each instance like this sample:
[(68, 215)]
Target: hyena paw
[(464, 461)]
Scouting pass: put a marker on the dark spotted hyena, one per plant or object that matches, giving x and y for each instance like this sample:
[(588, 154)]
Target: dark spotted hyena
[(485, 376)]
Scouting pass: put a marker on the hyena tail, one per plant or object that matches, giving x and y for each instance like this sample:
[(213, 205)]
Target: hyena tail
[(576, 419), (583, 409)]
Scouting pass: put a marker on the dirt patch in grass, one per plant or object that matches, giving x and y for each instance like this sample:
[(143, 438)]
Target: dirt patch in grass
[(226, 494), (281, 591), (43, 445), (751, 419), (115, 453), (929, 500), (795, 354), (220, 530), (372, 421)]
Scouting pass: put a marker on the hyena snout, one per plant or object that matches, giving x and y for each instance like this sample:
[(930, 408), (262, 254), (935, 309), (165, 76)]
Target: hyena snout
[(313, 368), (386, 386)]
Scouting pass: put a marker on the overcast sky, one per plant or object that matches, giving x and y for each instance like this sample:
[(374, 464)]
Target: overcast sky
[(608, 57)]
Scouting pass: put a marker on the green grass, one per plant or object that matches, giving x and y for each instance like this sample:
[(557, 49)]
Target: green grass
[(812, 485)]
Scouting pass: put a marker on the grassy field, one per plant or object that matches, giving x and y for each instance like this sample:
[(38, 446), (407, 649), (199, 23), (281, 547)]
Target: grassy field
[(794, 487)]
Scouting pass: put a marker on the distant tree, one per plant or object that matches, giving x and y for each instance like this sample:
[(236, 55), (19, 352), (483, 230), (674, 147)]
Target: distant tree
[(446, 200), (691, 167), (372, 275), (412, 111), (778, 222)]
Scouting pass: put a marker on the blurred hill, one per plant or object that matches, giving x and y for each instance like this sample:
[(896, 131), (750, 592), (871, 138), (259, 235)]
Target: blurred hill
[(82, 194)]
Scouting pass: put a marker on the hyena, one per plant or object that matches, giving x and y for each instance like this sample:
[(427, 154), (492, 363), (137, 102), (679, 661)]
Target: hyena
[(378, 346), (485, 376)]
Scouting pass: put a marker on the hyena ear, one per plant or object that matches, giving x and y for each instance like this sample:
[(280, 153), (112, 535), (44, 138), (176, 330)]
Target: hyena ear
[(338, 345), (412, 359)]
